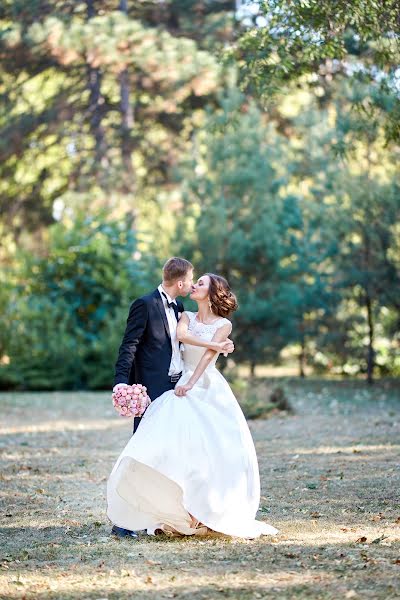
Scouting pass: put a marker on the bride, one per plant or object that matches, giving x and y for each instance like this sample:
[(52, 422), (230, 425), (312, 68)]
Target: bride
[(191, 466)]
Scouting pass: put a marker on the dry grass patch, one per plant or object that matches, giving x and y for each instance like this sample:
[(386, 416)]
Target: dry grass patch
[(329, 483)]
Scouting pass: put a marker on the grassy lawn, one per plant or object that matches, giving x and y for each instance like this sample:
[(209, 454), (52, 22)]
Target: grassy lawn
[(330, 482)]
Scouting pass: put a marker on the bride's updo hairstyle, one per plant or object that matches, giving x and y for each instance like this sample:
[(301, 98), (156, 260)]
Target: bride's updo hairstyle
[(222, 301)]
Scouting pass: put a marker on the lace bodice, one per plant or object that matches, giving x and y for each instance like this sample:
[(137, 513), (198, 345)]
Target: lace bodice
[(203, 330), (193, 354)]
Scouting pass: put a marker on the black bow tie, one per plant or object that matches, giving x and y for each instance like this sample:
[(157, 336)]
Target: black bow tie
[(173, 305)]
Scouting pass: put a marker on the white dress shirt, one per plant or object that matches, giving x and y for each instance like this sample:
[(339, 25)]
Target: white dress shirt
[(176, 364)]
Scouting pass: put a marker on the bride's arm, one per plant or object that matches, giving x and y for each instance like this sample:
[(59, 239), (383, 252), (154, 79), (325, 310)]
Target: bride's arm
[(220, 335), (183, 335)]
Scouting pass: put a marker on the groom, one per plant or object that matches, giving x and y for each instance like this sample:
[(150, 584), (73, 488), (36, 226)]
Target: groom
[(149, 353)]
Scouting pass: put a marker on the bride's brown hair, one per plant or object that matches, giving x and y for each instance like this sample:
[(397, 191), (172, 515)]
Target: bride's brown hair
[(222, 301)]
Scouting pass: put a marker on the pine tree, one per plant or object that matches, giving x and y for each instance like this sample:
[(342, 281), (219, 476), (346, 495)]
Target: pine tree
[(241, 226), (94, 103)]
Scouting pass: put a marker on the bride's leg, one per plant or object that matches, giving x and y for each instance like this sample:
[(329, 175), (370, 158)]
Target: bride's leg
[(199, 527), (170, 531), (194, 522)]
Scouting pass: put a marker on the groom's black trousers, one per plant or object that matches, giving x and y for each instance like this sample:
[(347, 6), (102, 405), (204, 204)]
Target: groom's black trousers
[(168, 386)]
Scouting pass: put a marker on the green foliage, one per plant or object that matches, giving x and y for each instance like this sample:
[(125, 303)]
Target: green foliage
[(65, 320), (366, 271), (89, 264), (67, 122), (308, 41), (303, 235), (101, 352), (237, 222), (44, 347), (247, 226), (289, 188)]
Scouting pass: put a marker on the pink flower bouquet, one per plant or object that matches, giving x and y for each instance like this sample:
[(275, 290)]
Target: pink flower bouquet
[(130, 400)]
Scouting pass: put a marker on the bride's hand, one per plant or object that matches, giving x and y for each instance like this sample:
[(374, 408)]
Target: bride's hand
[(226, 347), (181, 390)]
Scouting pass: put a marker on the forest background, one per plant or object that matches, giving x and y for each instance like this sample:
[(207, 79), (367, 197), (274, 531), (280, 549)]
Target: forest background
[(259, 140)]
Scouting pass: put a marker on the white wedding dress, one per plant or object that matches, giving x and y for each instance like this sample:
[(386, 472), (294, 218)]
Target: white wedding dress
[(190, 456)]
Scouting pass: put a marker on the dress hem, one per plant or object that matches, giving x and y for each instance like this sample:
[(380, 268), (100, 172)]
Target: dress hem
[(196, 516)]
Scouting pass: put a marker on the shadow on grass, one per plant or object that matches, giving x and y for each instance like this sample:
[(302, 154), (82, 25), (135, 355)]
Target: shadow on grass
[(97, 536), (148, 569), (289, 591)]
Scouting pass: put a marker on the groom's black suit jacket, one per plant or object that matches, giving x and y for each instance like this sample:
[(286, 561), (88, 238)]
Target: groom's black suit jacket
[(145, 352)]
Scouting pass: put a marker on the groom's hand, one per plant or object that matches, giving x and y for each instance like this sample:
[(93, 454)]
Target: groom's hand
[(119, 385)]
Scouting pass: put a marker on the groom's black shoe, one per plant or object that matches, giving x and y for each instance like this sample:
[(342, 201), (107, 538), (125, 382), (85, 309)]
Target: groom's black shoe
[(121, 532)]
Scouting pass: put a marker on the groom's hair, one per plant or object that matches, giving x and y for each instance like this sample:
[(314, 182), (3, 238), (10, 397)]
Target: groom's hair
[(175, 269)]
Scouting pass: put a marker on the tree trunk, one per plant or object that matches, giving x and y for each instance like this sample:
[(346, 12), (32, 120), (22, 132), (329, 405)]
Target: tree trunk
[(127, 118), (368, 299), (371, 351), (95, 102), (252, 369), (302, 354), (302, 358)]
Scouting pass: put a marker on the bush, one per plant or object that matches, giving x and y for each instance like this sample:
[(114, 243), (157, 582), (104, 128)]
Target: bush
[(62, 326), (42, 352), (279, 399), (101, 353), (258, 400)]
